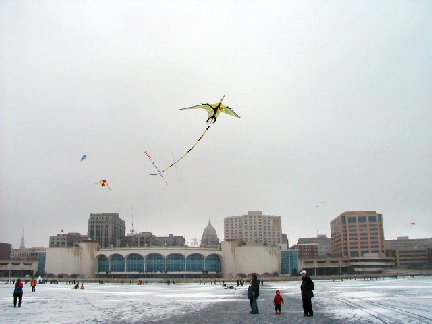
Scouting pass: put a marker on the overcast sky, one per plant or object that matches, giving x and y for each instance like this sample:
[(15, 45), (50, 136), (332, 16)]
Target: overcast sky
[(334, 98)]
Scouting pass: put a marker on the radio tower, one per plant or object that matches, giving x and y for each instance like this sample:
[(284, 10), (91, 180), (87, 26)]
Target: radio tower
[(132, 231)]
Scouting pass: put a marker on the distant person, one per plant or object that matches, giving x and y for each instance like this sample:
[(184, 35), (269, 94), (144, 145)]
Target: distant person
[(82, 286), (253, 294), (278, 301), (33, 285), (18, 293), (76, 286), (307, 288)]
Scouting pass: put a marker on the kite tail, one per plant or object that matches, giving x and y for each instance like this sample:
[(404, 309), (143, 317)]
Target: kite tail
[(186, 153), (156, 167)]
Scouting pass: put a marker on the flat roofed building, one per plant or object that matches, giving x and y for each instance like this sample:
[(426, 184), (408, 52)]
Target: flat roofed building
[(106, 228), (254, 228), (323, 242), (410, 253), (355, 233), (66, 239)]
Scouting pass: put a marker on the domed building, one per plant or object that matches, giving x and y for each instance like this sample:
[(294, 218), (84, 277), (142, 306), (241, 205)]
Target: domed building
[(209, 237)]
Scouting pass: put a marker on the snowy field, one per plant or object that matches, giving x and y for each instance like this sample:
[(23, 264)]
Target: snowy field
[(386, 300)]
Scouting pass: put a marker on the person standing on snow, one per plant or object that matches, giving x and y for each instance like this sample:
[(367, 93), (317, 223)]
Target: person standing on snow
[(307, 288), (33, 285), (253, 294), (18, 292), (278, 301)]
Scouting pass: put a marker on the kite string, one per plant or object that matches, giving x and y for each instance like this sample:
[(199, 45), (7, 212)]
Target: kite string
[(186, 153), (156, 167)]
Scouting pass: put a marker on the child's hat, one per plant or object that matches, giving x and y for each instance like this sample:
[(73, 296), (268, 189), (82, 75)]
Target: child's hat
[(277, 291)]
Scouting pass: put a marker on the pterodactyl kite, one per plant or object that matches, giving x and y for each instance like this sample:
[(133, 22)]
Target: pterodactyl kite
[(104, 183), (213, 111)]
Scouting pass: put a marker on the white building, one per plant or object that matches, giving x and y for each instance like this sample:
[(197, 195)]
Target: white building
[(254, 229)]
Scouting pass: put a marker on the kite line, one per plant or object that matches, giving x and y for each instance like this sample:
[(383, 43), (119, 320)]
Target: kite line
[(186, 153), (156, 167)]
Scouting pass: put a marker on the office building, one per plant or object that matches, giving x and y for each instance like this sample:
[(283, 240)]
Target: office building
[(106, 228), (323, 243), (254, 229), (355, 233), (410, 253), (66, 239)]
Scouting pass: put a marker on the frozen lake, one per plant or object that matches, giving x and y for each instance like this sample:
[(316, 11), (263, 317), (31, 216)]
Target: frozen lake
[(386, 300)]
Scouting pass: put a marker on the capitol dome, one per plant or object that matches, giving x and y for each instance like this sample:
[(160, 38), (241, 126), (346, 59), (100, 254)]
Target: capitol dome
[(209, 237)]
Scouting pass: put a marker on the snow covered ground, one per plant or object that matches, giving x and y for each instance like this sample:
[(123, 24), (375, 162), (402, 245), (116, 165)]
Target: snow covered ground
[(386, 300)]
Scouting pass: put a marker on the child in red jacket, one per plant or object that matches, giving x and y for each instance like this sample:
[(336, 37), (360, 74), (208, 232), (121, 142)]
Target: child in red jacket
[(278, 301)]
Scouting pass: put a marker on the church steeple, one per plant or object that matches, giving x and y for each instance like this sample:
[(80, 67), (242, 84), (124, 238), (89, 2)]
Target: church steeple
[(22, 246)]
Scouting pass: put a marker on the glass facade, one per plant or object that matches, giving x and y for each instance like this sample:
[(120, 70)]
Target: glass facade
[(103, 263), (135, 262), (154, 262), (289, 262), (117, 263), (195, 262), (175, 262), (157, 263)]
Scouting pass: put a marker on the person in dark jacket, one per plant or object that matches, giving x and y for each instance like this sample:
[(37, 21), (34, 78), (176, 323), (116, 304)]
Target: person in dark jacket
[(17, 293), (307, 288), (253, 294)]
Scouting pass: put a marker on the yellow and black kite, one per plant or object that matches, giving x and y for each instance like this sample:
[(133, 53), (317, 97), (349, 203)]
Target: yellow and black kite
[(214, 110)]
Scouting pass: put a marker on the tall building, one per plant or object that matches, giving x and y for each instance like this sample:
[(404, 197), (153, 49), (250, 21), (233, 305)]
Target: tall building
[(106, 228), (254, 228), (66, 240), (323, 242), (209, 237), (355, 233)]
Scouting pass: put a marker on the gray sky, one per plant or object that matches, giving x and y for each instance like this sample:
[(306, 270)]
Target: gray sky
[(334, 98)]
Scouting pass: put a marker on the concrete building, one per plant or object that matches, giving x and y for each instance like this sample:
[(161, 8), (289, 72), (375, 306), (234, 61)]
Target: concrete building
[(240, 259), (66, 239), (106, 228), (5, 251), (323, 242), (254, 229), (231, 260), (410, 253), (141, 239), (79, 259), (290, 262), (27, 254), (355, 233), (209, 237), (171, 240)]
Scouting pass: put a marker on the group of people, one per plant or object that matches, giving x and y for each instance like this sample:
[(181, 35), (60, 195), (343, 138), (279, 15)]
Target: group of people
[(306, 288)]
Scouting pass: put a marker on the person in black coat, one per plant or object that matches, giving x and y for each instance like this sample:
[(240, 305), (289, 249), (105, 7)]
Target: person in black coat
[(253, 294), (307, 288)]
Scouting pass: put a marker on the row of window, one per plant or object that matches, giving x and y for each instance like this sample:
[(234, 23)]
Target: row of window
[(155, 262)]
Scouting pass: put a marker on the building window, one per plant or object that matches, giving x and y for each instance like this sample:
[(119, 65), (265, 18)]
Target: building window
[(372, 219), (362, 219), (351, 220)]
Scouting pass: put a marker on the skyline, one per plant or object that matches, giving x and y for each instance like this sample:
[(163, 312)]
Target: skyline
[(334, 100), (190, 241)]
